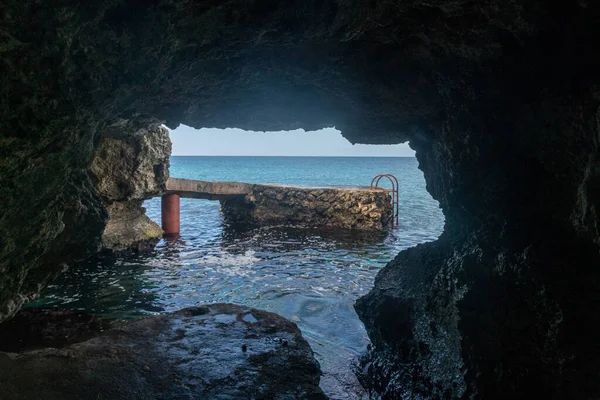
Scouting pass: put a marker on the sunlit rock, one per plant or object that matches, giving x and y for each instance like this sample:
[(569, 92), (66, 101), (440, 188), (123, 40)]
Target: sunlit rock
[(126, 170)]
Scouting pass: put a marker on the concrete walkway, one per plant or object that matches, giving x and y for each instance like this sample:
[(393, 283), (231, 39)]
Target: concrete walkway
[(210, 190), (220, 190)]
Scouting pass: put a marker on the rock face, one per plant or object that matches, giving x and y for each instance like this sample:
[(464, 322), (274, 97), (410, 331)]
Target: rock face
[(293, 206), (500, 100), (220, 351), (33, 329), (127, 170)]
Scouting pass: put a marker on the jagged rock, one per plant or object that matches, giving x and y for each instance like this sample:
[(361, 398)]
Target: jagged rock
[(129, 228), (126, 170), (74, 238), (219, 351)]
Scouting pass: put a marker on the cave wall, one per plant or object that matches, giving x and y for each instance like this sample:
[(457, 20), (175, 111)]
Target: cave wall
[(499, 99), (497, 307)]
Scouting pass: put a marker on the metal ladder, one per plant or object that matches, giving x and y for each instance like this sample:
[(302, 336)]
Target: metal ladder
[(393, 191)]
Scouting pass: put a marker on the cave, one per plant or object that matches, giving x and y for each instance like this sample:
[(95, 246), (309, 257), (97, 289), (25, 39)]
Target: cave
[(310, 274), (500, 100)]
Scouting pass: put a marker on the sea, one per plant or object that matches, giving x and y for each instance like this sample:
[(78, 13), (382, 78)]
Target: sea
[(310, 276)]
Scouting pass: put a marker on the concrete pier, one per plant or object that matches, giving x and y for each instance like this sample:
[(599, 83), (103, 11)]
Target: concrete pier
[(360, 208)]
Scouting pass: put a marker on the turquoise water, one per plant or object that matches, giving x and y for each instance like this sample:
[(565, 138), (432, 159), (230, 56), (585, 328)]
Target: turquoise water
[(310, 276)]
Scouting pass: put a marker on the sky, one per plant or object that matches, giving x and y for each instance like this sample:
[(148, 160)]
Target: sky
[(236, 142)]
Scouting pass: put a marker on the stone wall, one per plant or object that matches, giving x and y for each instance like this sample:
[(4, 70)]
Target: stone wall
[(321, 207), (126, 171)]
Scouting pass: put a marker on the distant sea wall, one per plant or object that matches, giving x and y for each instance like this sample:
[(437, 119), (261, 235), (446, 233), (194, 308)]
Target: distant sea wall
[(320, 207)]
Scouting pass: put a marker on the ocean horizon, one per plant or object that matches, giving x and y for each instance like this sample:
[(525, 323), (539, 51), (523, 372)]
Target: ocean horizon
[(284, 156)]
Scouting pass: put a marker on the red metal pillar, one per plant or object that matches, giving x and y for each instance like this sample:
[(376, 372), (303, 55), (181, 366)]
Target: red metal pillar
[(170, 214)]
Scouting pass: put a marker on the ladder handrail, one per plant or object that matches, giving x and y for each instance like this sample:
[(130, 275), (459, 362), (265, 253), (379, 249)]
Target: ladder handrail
[(394, 191)]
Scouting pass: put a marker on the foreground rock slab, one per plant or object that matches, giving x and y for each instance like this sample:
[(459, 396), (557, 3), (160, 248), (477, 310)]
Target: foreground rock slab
[(37, 328), (219, 351)]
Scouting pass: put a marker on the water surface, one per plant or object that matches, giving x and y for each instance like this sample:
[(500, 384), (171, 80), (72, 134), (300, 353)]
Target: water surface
[(310, 276)]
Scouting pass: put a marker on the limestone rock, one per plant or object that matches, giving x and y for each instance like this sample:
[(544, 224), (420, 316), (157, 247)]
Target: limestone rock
[(132, 166), (129, 228), (126, 170), (219, 351), (73, 238)]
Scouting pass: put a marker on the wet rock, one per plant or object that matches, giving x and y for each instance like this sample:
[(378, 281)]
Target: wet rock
[(38, 328), (129, 228), (196, 353)]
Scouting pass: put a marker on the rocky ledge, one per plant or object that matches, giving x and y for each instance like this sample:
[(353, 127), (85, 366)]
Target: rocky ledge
[(324, 207), (219, 351), (36, 328)]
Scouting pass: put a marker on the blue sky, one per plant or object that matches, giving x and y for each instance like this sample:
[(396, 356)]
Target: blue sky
[(236, 142)]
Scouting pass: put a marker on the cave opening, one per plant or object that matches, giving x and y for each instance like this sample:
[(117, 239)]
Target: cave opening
[(501, 103), (310, 275)]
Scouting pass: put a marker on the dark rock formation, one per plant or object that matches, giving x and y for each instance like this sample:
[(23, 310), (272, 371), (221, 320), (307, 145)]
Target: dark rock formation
[(316, 207), (220, 351), (33, 329), (126, 170), (500, 99)]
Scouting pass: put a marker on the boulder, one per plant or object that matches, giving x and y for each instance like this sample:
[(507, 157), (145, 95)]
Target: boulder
[(218, 351), (127, 170)]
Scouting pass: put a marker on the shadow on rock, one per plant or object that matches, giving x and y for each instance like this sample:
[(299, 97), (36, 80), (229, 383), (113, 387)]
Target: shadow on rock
[(219, 351)]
